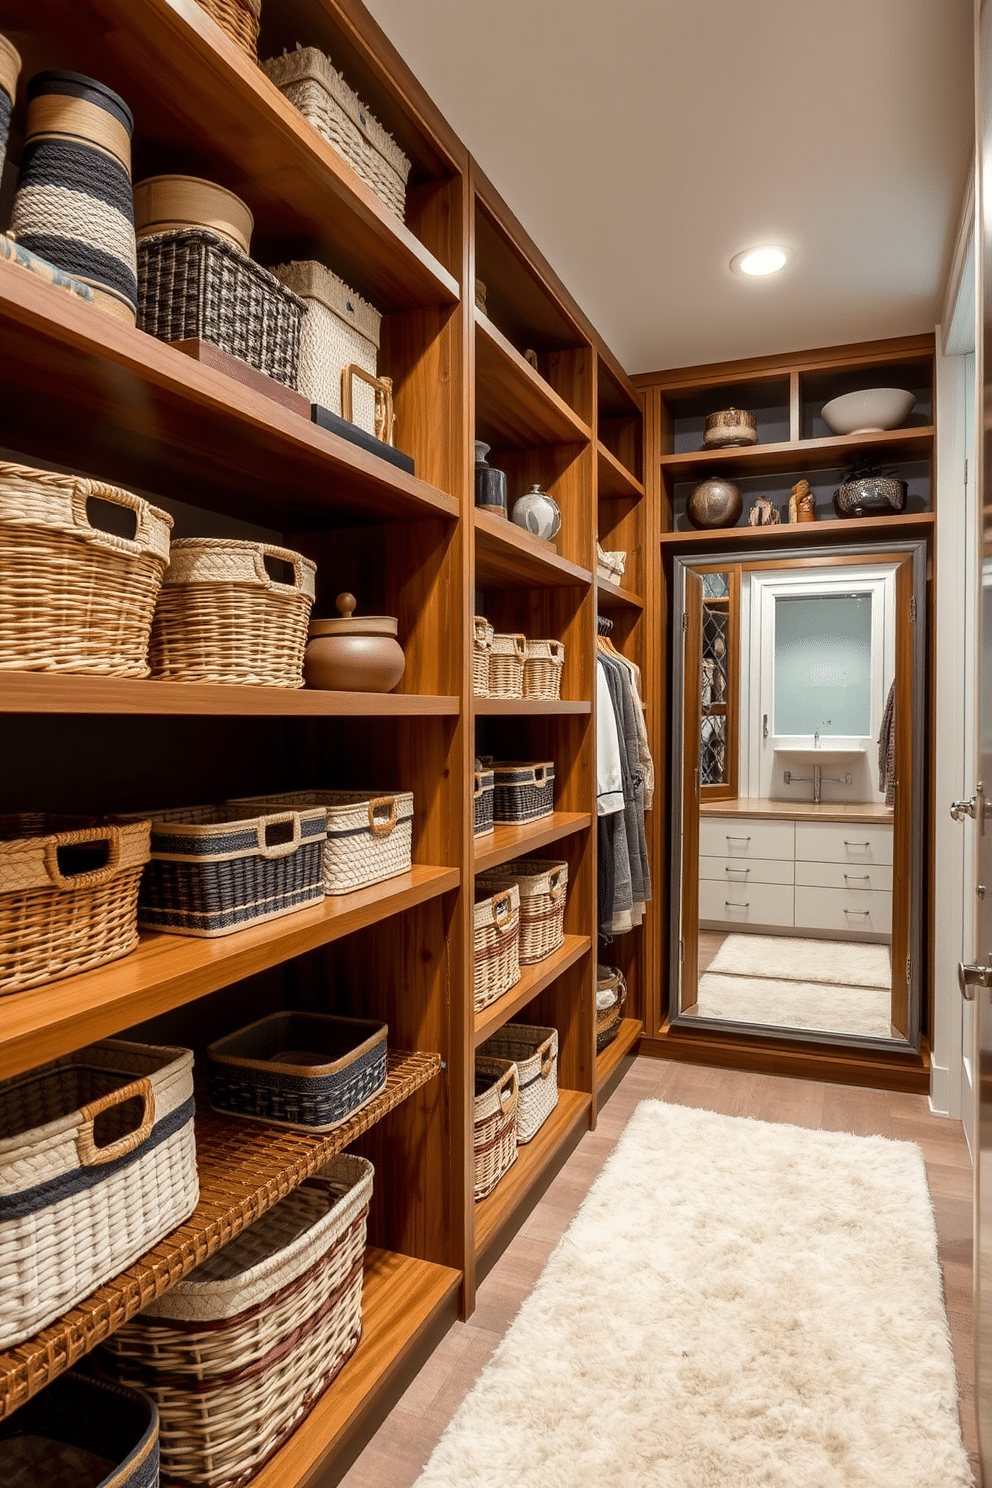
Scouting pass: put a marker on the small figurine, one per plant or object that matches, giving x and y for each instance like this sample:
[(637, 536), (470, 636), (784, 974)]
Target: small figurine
[(531, 357), (763, 513), (802, 506)]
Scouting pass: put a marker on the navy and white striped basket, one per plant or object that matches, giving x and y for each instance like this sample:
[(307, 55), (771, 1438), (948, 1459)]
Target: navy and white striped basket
[(523, 791), (214, 870), (10, 66), (299, 1069), (68, 1435)]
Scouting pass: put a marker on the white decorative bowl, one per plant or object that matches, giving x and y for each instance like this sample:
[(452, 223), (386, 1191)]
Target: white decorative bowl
[(868, 412)]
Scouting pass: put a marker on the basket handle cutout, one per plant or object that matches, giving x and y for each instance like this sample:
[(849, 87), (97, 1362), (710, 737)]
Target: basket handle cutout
[(520, 645), (540, 775), (382, 828), (546, 1052), (502, 913), (86, 490), (278, 844), (73, 870), (89, 1151), (556, 889), (290, 561), (478, 786), (507, 1088)]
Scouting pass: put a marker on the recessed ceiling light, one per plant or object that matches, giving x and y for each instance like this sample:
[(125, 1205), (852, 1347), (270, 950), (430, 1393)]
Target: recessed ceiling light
[(759, 261)]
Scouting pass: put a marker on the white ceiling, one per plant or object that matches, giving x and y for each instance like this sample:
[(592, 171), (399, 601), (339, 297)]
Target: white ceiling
[(642, 143)]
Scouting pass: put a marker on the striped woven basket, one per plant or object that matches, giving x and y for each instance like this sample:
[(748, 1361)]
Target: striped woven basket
[(611, 994), (482, 803), (240, 19), (76, 1428), (340, 329), (369, 833), (534, 1051), (482, 645), (495, 1122), (237, 1354), (10, 67), (543, 665), (506, 665), (524, 791), (543, 886), (497, 943)]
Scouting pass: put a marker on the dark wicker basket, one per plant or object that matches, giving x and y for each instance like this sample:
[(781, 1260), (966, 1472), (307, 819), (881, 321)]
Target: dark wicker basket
[(81, 1433), (195, 284), (523, 792), (298, 1069), (482, 803)]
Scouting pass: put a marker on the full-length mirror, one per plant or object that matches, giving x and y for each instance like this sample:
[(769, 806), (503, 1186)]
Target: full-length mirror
[(797, 783)]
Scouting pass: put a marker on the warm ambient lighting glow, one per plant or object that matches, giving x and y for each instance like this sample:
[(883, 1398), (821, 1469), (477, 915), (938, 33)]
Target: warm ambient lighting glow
[(755, 261)]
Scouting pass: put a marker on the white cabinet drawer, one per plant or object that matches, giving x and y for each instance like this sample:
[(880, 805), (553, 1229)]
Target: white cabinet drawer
[(845, 876), (746, 837), (840, 909), (754, 904), (844, 842), (748, 871)]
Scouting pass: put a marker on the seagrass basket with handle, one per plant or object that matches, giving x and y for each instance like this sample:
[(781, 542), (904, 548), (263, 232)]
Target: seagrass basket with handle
[(534, 1051), (496, 942), (81, 1433), (339, 330), (240, 19), (611, 994), (543, 886), (524, 790), (544, 663), (482, 645), (506, 665), (482, 802), (73, 597), (494, 1122), (369, 833)]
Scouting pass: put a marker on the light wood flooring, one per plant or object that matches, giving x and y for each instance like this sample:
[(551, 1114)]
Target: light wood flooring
[(395, 1456)]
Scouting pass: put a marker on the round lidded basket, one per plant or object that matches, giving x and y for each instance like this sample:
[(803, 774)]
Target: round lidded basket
[(729, 427), (240, 19), (171, 203), (221, 617), (354, 653)]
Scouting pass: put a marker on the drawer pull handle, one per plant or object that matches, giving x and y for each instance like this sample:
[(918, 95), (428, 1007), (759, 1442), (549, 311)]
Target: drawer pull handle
[(856, 844), (865, 912), (858, 877), (732, 838), (745, 871), (730, 904)]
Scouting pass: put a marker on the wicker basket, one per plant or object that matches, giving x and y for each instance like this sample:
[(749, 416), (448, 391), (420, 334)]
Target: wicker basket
[(10, 67), (298, 1069), (340, 330), (74, 598), (213, 870), (543, 885), (237, 1354), (369, 833), (482, 803), (482, 645), (495, 1122), (68, 895), (195, 283), (174, 203), (497, 943), (506, 665), (222, 618), (523, 791), (69, 1435), (534, 1051), (240, 19), (543, 666), (611, 991), (312, 85), (74, 1213)]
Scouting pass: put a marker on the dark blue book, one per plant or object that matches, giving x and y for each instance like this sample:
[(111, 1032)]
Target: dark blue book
[(328, 420)]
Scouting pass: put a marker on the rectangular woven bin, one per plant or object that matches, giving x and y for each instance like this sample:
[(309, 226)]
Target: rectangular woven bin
[(544, 663), (340, 329), (298, 1069), (543, 886), (68, 895), (534, 1051), (68, 1436), (369, 833), (194, 283), (506, 665), (213, 870), (482, 645), (313, 86), (497, 943), (482, 803), (240, 19), (97, 1163), (494, 1122), (237, 1354), (611, 994), (222, 617), (74, 598), (523, 791)]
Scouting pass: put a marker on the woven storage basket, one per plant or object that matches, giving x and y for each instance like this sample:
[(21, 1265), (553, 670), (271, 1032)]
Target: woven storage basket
[(239, 18), (313, 86), (74, 598), (543, 886), (339, 329), (222, 618), (173, 203), (298, 1069), (10, 67), (506, 665), (482, 803), (495, 1122), (74, 1213), (68, 895), (543, 666), (213, 870), (523, 791), (69, 1436), (237, 1354), (369, 833), (482, 645), (609, 983), (195, 283), (534, 1051), (497, 943)]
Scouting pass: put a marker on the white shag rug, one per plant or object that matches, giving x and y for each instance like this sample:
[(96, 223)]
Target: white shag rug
[(866, 1011), (736, 1305), (850, 963)]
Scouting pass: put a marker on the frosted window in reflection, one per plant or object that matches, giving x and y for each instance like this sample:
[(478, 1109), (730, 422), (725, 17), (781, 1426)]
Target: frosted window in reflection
[(823, 665)]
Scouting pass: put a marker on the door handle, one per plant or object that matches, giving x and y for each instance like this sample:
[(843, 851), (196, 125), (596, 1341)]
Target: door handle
[(975, 807), (972, 976)]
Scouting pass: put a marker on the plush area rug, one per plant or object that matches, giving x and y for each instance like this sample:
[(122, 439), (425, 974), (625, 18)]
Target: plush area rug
[(796, 959), (783, 1004), (736, 1305)]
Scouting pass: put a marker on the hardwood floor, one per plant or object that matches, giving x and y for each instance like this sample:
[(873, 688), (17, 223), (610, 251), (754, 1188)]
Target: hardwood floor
[(395, 1456)]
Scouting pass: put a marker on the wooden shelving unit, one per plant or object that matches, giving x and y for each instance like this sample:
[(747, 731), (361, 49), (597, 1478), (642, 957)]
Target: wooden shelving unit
[(509, 841)]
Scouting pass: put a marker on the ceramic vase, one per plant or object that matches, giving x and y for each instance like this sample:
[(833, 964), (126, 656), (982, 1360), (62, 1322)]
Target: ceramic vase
[(536, 512), (490, 484), (714, 503)]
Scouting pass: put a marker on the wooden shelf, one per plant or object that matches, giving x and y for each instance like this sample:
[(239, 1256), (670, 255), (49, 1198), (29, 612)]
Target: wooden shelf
[(519, 1189), (167, 971), (527, 707), (806, 454), (614, 479), (52, 692), (506, 841), (614, 596), (244, 1168), (905, 524), (533, 980), (515, 407), (507, 557), (612, 1057)]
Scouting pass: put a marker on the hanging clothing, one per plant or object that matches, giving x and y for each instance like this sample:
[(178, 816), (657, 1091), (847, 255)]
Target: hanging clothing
[(609, 780), (887, 749), (624, 877)]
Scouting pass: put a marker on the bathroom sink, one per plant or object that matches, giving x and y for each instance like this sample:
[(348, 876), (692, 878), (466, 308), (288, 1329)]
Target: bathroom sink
[(828, 754)]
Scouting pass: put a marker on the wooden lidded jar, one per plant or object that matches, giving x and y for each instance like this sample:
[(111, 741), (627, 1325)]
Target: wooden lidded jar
[(354, 653), (171, 203), (731, 426)]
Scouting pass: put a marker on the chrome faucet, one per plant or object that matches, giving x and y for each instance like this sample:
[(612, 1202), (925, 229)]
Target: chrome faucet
[(816, 739)]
